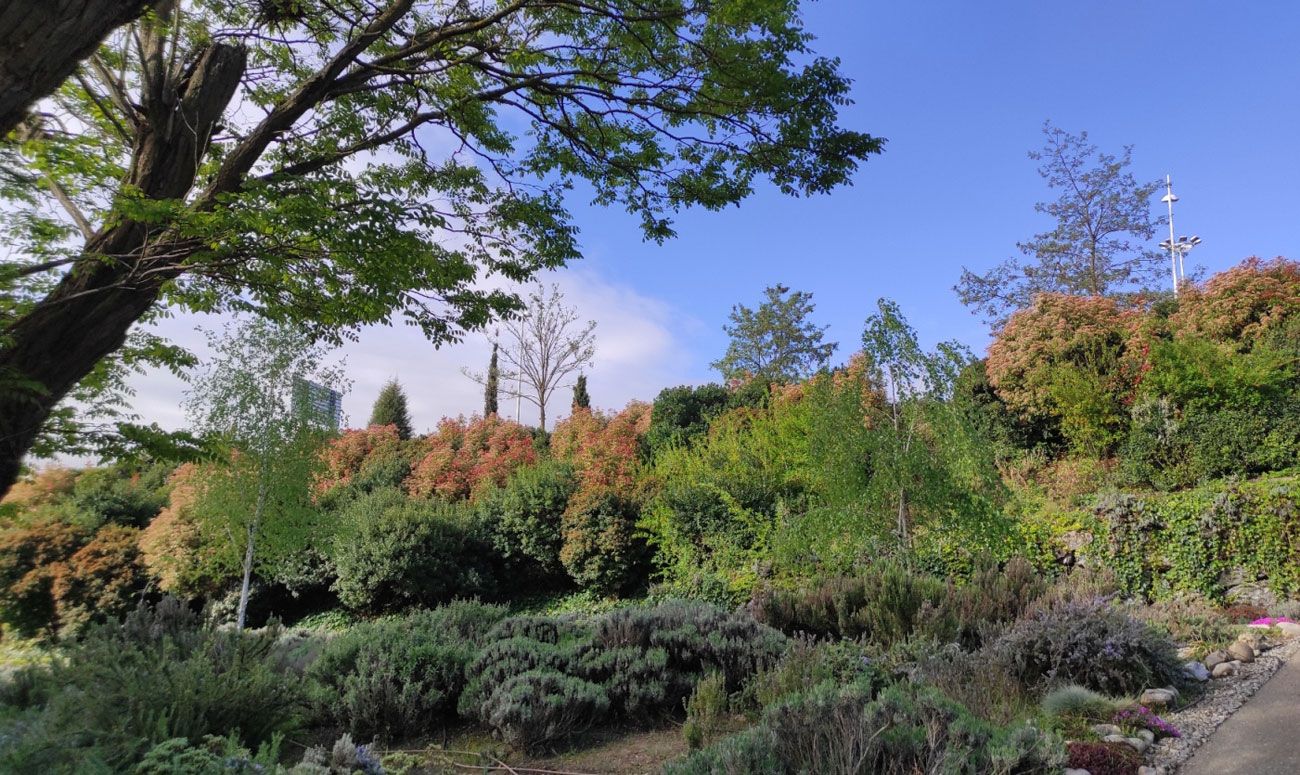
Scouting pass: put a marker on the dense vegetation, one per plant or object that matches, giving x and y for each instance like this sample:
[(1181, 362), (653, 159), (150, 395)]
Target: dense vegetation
[(838, 566)]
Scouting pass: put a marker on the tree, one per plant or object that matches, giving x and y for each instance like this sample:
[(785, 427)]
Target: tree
[(284, 158), (491, 385), (390, 409), (775, 342), (581, 399), (917, 427), (1103, 220), (42, 42), (257, 506), (549, 344)]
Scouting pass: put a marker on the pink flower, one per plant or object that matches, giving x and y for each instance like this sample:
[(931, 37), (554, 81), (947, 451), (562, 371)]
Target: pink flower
[(1269, 621)]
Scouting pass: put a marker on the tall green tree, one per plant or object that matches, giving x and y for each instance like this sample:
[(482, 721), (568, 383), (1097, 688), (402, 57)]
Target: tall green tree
[(257, 507), (289, 159), (775, 342), (1099, 244), (390, 409), (492, 386), (581, 399)]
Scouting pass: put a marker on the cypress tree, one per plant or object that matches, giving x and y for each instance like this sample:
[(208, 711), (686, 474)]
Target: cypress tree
[(390, 409), (490, 386), (581, 399)]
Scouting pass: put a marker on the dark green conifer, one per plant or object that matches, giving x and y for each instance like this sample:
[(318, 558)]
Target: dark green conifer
[(390, 409), (581, 399), (490, 386)]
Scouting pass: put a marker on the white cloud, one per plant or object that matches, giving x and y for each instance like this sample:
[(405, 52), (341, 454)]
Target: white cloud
[(640, 348)]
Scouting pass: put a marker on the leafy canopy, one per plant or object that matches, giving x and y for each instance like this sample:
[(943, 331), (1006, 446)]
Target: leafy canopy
[(360, 161), (775, 342)]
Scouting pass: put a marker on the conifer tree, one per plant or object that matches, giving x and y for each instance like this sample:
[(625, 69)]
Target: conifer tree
[(581, 399), (390, 409), (490, 385)]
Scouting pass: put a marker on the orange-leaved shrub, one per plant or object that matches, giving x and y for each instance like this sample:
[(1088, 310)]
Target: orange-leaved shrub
[(172, 547), (42, 488), (101, 581), (1067, 360), (345, 456), (31, 560), (603, 450), (462, 457), (1243, 304)]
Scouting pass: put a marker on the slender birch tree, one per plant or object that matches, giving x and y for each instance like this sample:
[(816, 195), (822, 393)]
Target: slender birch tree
[(253, 395)]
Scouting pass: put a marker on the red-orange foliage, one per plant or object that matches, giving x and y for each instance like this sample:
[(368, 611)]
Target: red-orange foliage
[(1240, 305), (344, 456), (171, 546), (604, 451), (102, 580), (31, 560), (1089, 333), (464, 456), (46, 486)]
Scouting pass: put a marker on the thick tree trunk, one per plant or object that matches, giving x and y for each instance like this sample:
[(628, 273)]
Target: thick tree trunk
[(41, 42), (88, 314)]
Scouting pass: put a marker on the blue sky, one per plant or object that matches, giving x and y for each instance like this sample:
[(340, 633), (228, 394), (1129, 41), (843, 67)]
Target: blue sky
[(961, 90), (1204, 91)]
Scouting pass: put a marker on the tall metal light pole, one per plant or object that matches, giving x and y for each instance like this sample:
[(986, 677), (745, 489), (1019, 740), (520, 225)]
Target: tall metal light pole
[(1177, 247)]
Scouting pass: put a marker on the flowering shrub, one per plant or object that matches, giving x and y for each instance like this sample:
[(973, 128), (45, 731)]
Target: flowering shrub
[(1142, 717), (1089, 643), (1270, 621), (463, 456)]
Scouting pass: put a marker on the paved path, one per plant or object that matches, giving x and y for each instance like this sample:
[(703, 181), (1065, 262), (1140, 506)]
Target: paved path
[(1262, 737)]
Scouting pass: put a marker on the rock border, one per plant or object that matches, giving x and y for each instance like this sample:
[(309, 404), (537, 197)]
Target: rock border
[(1221, 699)]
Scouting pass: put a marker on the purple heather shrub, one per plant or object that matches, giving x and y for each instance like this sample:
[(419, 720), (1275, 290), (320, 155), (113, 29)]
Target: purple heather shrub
[(1143, 717)]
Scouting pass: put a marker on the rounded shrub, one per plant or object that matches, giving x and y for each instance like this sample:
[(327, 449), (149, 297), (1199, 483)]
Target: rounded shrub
[(392, 552), (525, 519), (395, 678), (1092, 644), (540, 706)]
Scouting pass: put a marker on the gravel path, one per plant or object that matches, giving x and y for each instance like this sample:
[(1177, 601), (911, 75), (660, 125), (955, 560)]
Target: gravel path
[(1224, 696)]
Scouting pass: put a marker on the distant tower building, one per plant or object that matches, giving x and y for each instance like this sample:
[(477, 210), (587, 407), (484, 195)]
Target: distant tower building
[(321, 405)]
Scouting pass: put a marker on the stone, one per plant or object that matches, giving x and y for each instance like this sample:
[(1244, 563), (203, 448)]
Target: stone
[(1137, 744), (1076, 771), (1224, 669), (1242, 652), (1157, 697), (1252, 593), (1144, 770), (1196, 670), (1147, 735), (1106, 730), (1187, 652), (1289, 629), (1213, 659), (1114, 739)]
